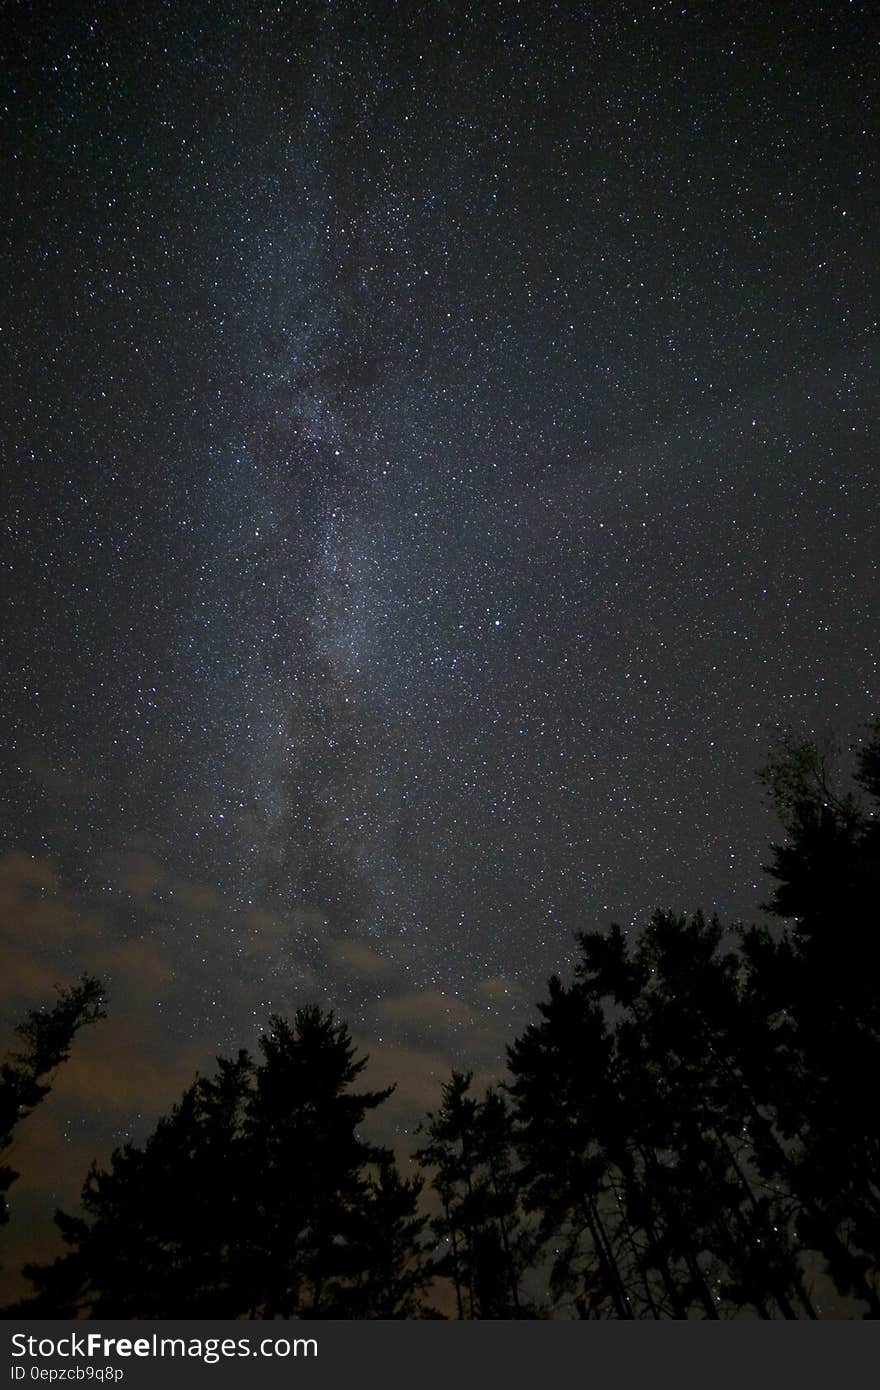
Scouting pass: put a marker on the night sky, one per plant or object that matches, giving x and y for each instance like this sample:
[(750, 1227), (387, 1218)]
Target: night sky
[(438, 461)]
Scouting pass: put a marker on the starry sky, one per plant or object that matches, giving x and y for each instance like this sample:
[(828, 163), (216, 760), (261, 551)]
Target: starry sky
[(439, 460)]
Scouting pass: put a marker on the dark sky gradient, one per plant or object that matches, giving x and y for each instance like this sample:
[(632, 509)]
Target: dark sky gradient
[(439, 459)]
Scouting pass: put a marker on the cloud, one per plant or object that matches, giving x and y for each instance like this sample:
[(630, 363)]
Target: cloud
[(266, 925), (50, 937), (135, 872), (142, 964), (426, 1012), (498, 991), (42, 930), (359, 958), (22, 876), (115, 1072), (198, 899), (417, 1077)]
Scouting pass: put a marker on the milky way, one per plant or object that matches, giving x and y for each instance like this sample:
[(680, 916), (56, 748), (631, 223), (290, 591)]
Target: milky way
[(442, 461)]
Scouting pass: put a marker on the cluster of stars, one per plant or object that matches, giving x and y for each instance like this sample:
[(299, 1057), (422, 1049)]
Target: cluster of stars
[(441, 466)]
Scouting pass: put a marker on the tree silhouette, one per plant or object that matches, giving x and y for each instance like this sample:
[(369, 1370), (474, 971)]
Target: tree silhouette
[(394, 1271), (633, 1117), (819, 985), (486, 1244), (26, 1075), (254, 1197), (562, 1096), (688, 1012)]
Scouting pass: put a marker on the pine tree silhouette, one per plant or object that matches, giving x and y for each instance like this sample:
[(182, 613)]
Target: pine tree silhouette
[(487, 1245), (254, 1197), (26, 1075)]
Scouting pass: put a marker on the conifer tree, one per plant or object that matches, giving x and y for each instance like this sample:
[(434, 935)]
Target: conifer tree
[(486, 1245), (563, 1096), (818, 984), (26, 1075), (255, 1197)]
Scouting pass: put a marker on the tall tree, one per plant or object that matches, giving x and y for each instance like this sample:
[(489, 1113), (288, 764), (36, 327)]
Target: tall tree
[(563, 1095), (310, 1183), (633, 1121), (256, 1196), (487, 1245), (394, 1270), (680, 989), (819, 985), (26, 1076)]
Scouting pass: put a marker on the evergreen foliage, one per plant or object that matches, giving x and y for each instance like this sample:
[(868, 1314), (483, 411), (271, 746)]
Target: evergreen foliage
[(26, 1076), (487, 1247), (255, 1197)]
